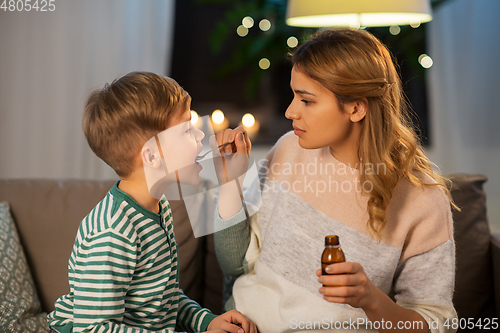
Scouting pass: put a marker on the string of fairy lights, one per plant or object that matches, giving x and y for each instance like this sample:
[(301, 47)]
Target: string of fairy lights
[(248, 121), (424, 60), (265, 25), (220, 122)]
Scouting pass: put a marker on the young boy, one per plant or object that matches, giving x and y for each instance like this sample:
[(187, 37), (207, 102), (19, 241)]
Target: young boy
[(123, 270)]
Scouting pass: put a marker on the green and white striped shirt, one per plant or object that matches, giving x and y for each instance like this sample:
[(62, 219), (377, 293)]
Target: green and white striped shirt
[(123, 273)]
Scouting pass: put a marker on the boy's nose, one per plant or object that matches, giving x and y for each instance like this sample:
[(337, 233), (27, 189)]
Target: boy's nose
[(199, 135)]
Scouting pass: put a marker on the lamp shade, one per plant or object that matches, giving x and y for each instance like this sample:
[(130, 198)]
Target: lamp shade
[(356, 13)]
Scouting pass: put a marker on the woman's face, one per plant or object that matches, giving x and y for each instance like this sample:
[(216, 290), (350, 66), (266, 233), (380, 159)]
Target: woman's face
[(318, 120)]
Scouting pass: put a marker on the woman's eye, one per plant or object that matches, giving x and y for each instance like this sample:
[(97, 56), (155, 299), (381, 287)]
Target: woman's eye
[(306, 102)]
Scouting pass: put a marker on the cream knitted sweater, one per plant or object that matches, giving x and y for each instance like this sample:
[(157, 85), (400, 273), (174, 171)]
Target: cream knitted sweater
[(308, 194)]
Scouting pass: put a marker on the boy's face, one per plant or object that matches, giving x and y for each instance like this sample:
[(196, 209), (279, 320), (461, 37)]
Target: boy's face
[(180, 143)]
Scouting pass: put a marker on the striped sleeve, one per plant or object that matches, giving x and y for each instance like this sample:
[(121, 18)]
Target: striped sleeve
[(191, 316), (103, 270)]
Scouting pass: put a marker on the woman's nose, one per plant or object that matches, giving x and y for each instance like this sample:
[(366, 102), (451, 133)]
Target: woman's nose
[(291, 112)]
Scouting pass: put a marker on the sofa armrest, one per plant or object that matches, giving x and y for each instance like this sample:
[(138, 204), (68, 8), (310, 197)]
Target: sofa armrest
[(495, 252)]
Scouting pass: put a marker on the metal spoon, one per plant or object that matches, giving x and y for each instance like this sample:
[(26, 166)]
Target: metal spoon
[(200, 157)]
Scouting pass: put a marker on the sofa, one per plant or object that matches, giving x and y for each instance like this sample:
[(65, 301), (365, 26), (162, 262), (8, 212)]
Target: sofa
[(47, 213)]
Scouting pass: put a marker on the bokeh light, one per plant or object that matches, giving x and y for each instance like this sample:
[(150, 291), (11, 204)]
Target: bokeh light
[(292, 41), (218, 117), (247, 22), (264, 63), (425, 61), (242, 31), (264, 24), (248, 120), (394, 30), (194, 117)]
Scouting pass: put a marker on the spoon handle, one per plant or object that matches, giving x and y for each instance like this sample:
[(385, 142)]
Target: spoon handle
[(200, 157)]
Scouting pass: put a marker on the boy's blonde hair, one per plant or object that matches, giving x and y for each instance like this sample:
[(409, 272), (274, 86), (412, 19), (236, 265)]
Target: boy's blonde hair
[(121, 117)]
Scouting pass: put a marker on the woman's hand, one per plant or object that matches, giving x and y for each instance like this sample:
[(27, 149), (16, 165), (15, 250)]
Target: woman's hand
[(233, 160), (347, 283), (229, 321)]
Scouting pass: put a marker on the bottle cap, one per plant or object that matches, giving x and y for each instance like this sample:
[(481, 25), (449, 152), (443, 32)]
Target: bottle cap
[(332, 240)]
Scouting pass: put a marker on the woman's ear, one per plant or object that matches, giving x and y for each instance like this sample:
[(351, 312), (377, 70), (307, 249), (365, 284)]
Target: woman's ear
[(358, 110)]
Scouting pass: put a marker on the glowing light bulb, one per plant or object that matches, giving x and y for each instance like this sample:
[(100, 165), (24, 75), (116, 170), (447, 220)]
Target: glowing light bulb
[(292, 41), (247, 22), (264, 24), (415, 25), (194, 117), (264, 63), (218, 117), (248, 120)]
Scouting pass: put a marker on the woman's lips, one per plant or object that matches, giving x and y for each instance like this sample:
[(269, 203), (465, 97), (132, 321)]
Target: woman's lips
[(297, 131)]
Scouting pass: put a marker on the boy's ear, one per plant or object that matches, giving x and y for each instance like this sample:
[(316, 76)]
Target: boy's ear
[(150, 157), (358, 110)]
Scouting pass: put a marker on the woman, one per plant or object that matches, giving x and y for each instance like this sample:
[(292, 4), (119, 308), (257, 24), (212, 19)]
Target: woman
[(353, 167)]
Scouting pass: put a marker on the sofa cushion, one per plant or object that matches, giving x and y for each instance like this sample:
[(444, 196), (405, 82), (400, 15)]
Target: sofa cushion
[(47, 214), (200, 274), (473, 297), (20, 309), (48, 229)]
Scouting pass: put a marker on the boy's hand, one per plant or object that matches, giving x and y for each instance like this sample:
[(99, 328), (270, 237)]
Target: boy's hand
[(235, 157), (229, 321)]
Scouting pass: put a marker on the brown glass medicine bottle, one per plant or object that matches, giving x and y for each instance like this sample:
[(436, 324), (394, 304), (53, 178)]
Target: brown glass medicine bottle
[(332, 253)]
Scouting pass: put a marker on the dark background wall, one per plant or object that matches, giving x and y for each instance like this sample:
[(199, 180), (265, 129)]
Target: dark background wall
[(199, 70)]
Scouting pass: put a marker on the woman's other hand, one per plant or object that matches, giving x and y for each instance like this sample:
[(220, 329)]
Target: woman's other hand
[(347, 283)]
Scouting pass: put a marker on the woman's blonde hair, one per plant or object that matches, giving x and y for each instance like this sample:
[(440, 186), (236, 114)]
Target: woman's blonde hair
[(355, 65)]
